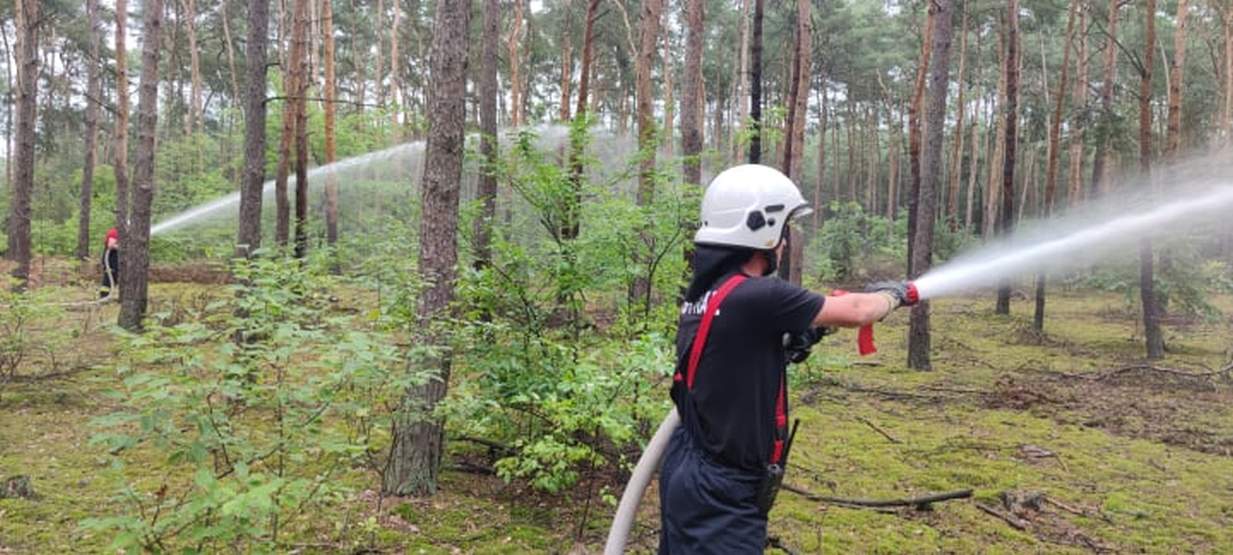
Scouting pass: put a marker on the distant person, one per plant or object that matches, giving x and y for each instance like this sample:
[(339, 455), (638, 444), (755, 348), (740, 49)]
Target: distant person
[(111, 264), (737, 330)]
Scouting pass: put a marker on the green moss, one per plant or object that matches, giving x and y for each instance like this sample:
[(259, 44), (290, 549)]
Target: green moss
[(1139, 493)]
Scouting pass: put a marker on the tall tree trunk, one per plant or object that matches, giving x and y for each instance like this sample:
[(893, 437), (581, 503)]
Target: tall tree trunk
[(1177, 65), (395, 61), (931, 173), (692, 99), (755, 87), (1079, 98), (1226, 119), (956, 156), (669, 97), (1007, 218), (120, 164), (973, 164), (135, 256), (1152, 335), (419, 437), (794, 140), (512, 43), (248, 235), (196, 105), (649, 21), (570, 222), (914, 131), (993, 187), (291, 88), (1100, 178), (1055, 132), (567, 62), (8, 126), (892, 181), (380, 69), (231, 71), (28, 21), (331, 180), (820, 181), (299, 52), (488, 134), (741, 80), (94, 94)]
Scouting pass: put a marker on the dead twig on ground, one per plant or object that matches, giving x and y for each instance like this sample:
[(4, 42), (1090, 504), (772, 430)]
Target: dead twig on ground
[(922, 502), (1015, 522), (877, 429)]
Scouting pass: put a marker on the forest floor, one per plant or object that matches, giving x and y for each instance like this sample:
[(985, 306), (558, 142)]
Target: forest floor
[(1069, 442)]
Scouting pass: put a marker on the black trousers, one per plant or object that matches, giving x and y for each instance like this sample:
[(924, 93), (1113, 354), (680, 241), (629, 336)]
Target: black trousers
[(111, 273), (705, 506)]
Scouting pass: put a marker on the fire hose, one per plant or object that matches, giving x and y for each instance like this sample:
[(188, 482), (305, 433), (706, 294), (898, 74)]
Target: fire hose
[(647, 465)]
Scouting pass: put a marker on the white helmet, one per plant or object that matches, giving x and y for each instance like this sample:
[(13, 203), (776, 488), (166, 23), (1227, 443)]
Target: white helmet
[(749, 206)]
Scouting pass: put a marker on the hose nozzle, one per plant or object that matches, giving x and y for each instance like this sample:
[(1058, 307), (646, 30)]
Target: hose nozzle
[(912, 295)]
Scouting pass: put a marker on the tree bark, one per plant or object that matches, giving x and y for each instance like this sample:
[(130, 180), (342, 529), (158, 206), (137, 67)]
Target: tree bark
[(820, 182), (997, 151), (567, 61), (28, 21), (1177, 65), (419, 437), (691, 96), (755, 87), (914, 132), (931, 182), (1079, 98), (299, 52), (196, 102), (291, 88), (395, 74), (570, 221), (956, 158), (669, 95), (331, 154), (1153, 338), (794, 139), (135, 256), (488, 135), (231, 71), (1007, 217), (1055, 131), (120, 164), (94, 92), (248, 235), (649, 20), (515, 64), (1100, 178)]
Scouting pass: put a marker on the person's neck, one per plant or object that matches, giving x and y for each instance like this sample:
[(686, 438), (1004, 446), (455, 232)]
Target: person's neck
[(755, 266)]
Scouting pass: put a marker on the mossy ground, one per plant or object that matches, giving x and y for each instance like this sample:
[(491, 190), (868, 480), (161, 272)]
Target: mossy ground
[(1141, 460)]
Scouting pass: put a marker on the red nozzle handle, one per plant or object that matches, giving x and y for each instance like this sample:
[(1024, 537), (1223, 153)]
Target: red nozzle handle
[(913, 294), (864, 337)]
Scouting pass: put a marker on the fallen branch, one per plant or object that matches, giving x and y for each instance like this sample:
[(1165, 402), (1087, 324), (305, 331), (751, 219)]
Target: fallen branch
[(1014, 521), (877, 429), (917, 502)]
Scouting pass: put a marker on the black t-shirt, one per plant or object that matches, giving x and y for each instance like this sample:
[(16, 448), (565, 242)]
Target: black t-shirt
[(731, 410)]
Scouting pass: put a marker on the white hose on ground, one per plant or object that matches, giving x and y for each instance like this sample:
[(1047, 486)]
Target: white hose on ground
[(623, 522)]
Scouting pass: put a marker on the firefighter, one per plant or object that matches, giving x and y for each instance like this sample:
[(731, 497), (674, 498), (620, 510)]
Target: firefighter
[(111, 264), (719, 472)]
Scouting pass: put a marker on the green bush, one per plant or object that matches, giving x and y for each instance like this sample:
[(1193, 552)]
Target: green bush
[(265, 400)]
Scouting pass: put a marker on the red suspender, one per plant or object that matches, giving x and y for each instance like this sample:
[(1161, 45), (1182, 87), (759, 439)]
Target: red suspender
[(781, 420), (695, 356), (704, 329)]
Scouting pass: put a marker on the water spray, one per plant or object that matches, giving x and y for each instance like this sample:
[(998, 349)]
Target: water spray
[(1030, 251)]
